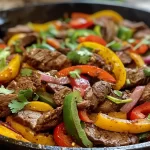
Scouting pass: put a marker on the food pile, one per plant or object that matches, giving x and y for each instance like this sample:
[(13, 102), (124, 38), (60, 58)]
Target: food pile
[(78, 81)]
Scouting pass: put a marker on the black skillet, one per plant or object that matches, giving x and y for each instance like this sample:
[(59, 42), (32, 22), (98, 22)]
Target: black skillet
[(46, 12)]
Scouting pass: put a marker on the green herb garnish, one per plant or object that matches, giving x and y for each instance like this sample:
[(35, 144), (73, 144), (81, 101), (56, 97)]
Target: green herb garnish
[(147, 72), (118, 93), (26, 72), (75, 73), (5, 91)]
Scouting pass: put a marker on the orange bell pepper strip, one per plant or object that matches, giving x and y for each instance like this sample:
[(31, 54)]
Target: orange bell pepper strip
[(38, 106), (107, 13), (120, 115), (10, 71), (137, 59), (11, 134), (121, 125), (53, 42), (90, 70), (39, 138), (2, 46), (84, 116), (110, 58)]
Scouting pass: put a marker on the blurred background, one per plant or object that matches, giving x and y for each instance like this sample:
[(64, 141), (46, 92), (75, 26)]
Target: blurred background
[(7, 4)]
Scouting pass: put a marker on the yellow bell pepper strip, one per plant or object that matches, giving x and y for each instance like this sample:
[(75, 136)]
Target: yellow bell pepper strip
[(90, 70), (107, 13), (11, 71), (11, 134), (120, 115), (137, 59), (38, 106), (121, 125), (110, 58), (39, 138), (15, 38)]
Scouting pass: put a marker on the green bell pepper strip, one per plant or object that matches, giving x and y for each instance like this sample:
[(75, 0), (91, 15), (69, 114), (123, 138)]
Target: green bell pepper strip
[(71, 119), (125, 33), (81, 32), (97, 30)]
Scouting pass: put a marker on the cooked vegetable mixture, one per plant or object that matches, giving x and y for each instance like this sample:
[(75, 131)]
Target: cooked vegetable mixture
[(79, 81)]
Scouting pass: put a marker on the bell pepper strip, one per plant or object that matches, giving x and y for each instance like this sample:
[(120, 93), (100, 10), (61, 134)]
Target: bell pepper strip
[(15, 38), (121, 125), (84, 117), (53, 42), (72, 121), (11, 134), (45, 26), (2, 46), (142, 49), (76, 15), (61, 138), (90, 70), (81, 32), (141, 111), (97, 30), (110, 58), (125, 33), (94, 38), (80, 84), (135, 96), (107, 13), (120, 115), (10, 71), (81, 23), (38, 106), (137, 59), (39, 138)]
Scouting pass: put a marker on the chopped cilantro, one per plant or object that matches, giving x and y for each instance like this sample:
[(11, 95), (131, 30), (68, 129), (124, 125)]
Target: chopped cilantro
[(147, 72), (82, 56), (118, 93), (26, 72), (22, 100), (5, 91), (75, 73)]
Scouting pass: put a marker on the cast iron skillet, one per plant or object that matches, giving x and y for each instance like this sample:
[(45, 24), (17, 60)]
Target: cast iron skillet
[(46, 12)]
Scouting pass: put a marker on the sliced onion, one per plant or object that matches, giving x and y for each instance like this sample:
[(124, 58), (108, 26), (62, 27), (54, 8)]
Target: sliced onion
[(51, 79), (147, 60), (135, 96)]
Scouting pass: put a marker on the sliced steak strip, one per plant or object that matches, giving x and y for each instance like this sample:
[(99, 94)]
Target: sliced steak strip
[(107, 138), (134, 25), (4, 101), (39, 121), (22, 83), (124, 57), (136, 77), (146, 94), (46, 60)]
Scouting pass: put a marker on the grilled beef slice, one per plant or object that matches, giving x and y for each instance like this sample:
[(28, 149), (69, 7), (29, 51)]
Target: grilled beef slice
[(124, 57), (136, 77), (146, 94), (107, 138), (22, 83), (46, 60), (39, 121), (4, 101)]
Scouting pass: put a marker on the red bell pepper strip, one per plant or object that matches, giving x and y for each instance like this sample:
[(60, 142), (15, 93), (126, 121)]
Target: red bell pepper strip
[(84, 117), (90, 70), (93, 38), (141, 111), (2, 46), (81, 23), (61, 138), (80, 84), (76, 15)]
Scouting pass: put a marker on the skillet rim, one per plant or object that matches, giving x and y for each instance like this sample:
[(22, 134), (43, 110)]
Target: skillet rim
[(145, 145)]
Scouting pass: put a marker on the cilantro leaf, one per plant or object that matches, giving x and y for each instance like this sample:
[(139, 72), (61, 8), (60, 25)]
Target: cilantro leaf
[(5, 91), (15, 106), (75, 73), (82, 56), (26, 72), (23, 96), (118, 93)]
